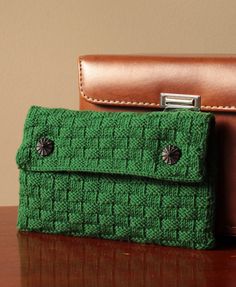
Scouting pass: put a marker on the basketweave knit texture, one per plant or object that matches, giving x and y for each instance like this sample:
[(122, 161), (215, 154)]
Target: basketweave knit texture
[(106, 177)]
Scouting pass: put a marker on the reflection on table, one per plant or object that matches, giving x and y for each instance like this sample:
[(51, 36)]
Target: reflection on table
[(52, 260)]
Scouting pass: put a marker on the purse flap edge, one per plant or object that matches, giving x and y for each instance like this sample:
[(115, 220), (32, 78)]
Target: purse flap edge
[(139, 152)]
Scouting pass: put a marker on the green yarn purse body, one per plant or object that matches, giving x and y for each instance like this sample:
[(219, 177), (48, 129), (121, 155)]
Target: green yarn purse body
[(141, 177)]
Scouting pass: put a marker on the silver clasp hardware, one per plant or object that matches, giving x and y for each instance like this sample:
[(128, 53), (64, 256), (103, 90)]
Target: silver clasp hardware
[(176, 101)]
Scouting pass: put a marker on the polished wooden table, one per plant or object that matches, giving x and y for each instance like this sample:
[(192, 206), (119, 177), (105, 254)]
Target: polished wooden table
[(31, 260)]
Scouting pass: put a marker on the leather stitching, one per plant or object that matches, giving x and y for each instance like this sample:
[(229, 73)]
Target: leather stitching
[(94, 100)]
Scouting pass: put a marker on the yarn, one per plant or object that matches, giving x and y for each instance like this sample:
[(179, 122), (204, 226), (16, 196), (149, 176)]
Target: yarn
[(106, 177)]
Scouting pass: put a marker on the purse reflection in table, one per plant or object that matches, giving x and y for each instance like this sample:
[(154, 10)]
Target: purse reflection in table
[(57, 260)]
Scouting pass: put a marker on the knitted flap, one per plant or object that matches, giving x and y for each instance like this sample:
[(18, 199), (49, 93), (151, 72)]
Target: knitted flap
[(117, 143)]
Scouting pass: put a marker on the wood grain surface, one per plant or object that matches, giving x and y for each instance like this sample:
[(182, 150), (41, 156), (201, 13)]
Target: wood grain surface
[(31, 260)]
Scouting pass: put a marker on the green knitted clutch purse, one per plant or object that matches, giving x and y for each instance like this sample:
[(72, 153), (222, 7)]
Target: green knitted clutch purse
[(142, 177)]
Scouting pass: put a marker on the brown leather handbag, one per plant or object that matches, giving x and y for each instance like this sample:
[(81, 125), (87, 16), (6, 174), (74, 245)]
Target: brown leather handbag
[(154, 83)]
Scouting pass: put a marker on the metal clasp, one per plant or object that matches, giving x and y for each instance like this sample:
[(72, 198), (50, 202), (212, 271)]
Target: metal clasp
[(176, 101)]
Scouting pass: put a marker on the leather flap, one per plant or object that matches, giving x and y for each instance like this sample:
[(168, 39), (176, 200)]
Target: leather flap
[(137, 81), (118, 143)]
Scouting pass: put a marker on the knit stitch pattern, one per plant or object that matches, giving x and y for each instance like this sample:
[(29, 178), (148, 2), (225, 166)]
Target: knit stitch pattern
[(106, 177)]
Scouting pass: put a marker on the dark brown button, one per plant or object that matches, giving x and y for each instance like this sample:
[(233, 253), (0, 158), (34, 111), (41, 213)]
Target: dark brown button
[(44, 146), (171, 154)]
